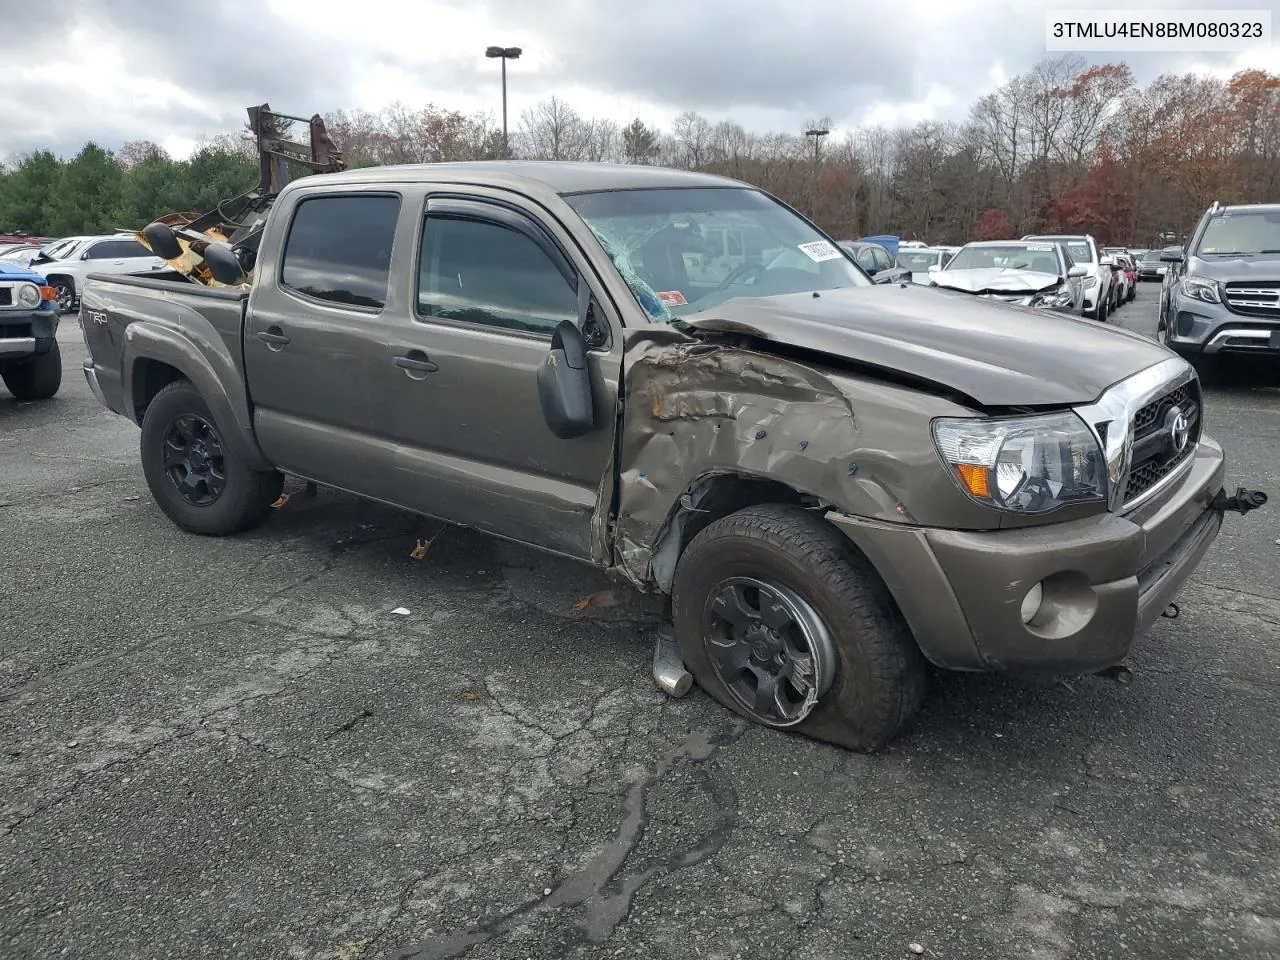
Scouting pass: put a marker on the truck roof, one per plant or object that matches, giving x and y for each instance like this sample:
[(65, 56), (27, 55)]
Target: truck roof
[(559, 176)]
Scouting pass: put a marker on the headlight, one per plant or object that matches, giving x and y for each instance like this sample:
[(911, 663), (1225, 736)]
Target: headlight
[(1024, 464), (1090, 280), (1054, 299), (1199, 288), (28, 295)]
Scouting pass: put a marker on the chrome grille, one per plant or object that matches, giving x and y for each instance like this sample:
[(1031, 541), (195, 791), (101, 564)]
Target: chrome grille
[(1254, 298), (1154, 455)]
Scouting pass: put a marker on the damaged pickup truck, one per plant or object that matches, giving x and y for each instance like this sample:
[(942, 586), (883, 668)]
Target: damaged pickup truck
[(836, 482)]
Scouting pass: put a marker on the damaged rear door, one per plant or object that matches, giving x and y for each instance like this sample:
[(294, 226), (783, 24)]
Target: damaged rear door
[(492, 281)]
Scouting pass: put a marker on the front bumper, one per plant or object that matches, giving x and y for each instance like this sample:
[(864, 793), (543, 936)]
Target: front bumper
[(25, 333), (1197, 328), (1105, 579)]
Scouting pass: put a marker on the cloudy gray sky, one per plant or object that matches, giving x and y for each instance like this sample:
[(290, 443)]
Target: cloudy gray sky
[(176, 74)]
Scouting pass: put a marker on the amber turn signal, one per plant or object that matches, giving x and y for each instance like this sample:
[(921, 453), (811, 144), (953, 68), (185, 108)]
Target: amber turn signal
[(975, 479)]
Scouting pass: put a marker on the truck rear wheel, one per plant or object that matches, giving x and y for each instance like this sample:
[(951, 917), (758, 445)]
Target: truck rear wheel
[(200, 484), (780, 619), (36, 379)]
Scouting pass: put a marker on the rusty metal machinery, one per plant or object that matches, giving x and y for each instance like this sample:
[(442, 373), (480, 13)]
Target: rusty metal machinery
[(234, 227)]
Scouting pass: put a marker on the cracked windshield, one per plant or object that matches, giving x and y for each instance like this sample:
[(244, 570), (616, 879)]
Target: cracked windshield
[(685, 251)]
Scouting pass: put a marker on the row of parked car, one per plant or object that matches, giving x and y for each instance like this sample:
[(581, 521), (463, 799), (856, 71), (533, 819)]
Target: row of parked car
[(1219, 295), (1066, 273)]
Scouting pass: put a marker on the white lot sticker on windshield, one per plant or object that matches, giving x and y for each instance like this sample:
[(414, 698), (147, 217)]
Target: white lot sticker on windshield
[(1039, 246), (820, 250)]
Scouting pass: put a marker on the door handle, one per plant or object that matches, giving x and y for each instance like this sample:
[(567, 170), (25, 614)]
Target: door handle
[(415, 362), (274, 338)]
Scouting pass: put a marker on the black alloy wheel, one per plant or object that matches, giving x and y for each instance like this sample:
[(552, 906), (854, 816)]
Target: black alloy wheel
[(193, 460), (769, 648)]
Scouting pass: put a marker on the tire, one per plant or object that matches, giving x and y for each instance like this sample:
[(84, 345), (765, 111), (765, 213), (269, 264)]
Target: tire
[(870, 682), (36, 379), (66, 291), (243, 498)]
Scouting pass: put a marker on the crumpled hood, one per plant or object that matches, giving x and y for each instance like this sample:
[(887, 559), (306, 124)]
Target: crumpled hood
[(1234, 269), (996, 280), (997, 354)]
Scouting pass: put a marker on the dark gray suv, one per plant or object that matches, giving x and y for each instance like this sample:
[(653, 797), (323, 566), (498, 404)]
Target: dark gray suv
[(1222, 295)]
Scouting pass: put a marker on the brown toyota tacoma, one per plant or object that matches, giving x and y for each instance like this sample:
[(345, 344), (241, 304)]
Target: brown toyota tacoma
[(678, 379)]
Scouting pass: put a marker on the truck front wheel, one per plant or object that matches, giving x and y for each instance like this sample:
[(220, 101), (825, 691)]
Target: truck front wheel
[(200, 484), (783, 621), (36, 379)]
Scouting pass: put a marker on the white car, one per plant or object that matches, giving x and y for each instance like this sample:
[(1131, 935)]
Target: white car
[(919, 260), (1099, 284), (1023, 273), (20, 253), (66, 263)]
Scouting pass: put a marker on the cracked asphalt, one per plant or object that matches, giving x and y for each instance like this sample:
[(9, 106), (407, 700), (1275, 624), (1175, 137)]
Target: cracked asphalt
[(232, 748)]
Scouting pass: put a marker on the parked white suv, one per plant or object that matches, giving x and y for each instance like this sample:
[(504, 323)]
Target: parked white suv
[(66, 263), (1084, 250)]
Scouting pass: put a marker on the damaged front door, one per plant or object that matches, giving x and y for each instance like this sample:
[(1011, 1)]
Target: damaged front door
[(492, 284)]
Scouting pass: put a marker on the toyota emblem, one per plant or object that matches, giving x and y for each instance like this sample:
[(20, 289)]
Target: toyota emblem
[(1179, 429)]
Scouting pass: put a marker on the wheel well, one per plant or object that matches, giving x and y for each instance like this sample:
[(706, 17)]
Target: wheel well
[(707, 500), (149, 378), (55, 277)]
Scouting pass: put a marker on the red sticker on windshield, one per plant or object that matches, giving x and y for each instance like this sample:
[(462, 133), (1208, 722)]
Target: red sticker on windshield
[(672, 298)]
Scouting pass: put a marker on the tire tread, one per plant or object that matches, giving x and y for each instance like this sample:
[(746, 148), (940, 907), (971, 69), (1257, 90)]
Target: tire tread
[(889, 654), (248, 497)]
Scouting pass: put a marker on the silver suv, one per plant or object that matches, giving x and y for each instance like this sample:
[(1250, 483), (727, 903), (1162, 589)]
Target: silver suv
[(1222, 296)]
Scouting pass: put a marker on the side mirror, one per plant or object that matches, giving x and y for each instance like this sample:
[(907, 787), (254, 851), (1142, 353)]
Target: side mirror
[(223, 264), (564, 379), (1107, 261), (1078, 270), (1172, 256), (934, 268)]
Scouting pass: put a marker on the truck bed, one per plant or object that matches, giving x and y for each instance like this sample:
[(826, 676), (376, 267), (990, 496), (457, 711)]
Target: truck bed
[(179, 327), (167, 281)]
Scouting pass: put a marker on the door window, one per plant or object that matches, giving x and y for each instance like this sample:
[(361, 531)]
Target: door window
[(339, 249), (882, 258), (117, 250), (866, 260), (479, 271)]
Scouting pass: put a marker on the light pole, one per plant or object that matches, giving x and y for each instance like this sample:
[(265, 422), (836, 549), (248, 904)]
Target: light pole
[(817, 133), (504, 54)]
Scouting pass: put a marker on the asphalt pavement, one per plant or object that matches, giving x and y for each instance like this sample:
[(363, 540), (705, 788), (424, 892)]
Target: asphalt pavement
[(235, 748)]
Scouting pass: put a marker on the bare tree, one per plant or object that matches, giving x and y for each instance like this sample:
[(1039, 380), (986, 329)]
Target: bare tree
[(692, 135), (553, 130)]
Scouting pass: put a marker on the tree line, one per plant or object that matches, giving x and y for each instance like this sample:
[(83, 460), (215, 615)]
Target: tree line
[(1061, 147)]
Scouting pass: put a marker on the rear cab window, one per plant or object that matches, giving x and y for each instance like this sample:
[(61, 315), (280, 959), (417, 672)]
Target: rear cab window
[(338, 249)]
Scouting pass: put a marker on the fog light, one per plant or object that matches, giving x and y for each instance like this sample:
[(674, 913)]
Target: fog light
[(1031, 602)]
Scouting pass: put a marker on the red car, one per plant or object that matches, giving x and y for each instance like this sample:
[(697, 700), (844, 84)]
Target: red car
[(1131, 271)]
